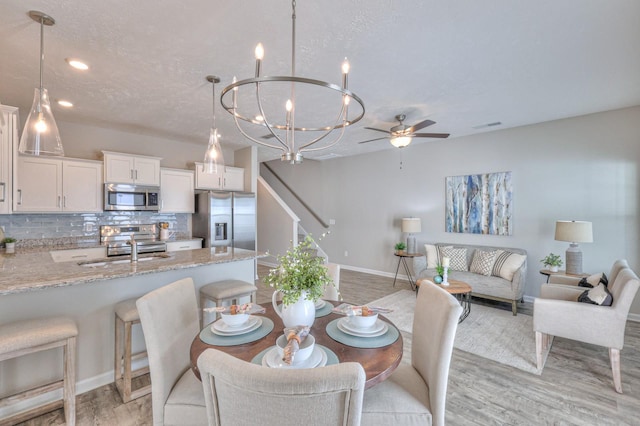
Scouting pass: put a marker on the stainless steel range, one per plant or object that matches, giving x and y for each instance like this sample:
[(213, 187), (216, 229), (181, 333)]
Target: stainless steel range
[(116, 239)]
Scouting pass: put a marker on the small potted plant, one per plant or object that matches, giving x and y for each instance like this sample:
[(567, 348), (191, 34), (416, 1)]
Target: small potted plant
[(438, 278), (552, 261), (10, 244), (400, 247)]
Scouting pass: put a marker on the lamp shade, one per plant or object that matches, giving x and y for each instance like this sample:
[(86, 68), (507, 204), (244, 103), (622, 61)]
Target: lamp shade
[(411, 225), (574, 231)]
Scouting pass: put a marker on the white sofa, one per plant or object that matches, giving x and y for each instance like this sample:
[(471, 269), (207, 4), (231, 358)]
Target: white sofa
[(489, 287)]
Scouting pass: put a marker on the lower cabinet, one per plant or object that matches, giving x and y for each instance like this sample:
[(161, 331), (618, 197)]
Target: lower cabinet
[(184, 245), (79, 255)]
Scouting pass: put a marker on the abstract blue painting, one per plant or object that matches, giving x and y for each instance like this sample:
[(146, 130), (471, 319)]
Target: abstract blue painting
[(479, 204)]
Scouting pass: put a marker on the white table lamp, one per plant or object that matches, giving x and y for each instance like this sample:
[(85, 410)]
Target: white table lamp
[(411, 225), (574, 232)]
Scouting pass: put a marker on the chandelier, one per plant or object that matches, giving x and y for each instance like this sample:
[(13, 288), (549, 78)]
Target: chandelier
[(272, 103)]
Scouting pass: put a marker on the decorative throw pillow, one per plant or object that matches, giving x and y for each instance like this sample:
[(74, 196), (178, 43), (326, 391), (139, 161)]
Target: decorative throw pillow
[(599, 295), (482, 262), (593, 280), (432, 256), (441, 253), (506, 264), (457, 258)]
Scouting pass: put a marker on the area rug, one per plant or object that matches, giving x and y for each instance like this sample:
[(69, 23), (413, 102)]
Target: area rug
[(488, 332)]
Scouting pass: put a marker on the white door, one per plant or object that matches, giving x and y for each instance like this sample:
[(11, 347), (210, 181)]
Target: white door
[(39, 186), (82, 186), (147, 171), (233, 179), (8, 136), (118, 168), (207, 180), (176, 191)]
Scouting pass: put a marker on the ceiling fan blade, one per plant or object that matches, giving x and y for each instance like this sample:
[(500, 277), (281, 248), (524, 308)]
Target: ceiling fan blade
[(431, 135), (372, 140), (378, 130), (420, 125)]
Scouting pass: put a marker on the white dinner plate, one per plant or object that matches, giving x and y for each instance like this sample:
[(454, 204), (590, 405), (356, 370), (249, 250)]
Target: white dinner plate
[(318, 358), (222, 329), (320, 304), (378, 329)]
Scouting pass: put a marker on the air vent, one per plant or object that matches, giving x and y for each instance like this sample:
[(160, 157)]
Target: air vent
[(482, 126)]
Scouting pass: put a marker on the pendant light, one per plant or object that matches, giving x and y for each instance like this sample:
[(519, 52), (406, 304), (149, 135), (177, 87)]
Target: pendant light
[(40, 135), (213, 158)]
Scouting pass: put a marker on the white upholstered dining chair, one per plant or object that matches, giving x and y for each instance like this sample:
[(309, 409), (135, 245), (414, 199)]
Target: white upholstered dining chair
[(237, 392), (169, 318), (557, 313), (416, 394), (331, 292)]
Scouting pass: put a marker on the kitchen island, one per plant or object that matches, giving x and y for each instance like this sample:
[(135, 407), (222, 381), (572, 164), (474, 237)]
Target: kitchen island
[(32, 285)]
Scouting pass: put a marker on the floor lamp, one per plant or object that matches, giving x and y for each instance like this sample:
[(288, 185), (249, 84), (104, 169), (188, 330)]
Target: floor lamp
[(574, 232), (411, 225)]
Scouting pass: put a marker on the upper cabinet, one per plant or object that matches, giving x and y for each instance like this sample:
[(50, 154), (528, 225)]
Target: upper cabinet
[(133, 169), (232, 179), (8, 137), (51, 185), (177, 191)]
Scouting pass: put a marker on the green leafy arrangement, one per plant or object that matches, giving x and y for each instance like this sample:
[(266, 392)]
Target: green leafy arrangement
[(400, 246), (552, 260), (440, 269), (9, 240), (300, 270)]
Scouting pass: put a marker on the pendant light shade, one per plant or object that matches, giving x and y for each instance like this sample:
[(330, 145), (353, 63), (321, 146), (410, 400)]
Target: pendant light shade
[(213, 158), (40, 135)]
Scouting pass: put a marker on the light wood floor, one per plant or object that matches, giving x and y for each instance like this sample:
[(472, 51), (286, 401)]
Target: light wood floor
[(575, 388)]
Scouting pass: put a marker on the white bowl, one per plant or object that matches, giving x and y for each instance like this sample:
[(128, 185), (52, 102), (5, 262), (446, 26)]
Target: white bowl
[(358, 321), (234, 320), (306, 348)]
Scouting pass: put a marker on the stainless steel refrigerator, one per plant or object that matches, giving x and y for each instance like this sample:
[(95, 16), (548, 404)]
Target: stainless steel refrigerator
[(226, 219)]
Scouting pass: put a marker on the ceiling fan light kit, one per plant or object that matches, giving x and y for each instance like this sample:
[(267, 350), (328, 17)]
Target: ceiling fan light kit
[(40, 135), (402, 135), (235, 100)]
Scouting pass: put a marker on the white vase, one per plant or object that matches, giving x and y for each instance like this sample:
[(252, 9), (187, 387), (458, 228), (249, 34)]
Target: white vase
[(10, 247), (553, 268), (302, 312)]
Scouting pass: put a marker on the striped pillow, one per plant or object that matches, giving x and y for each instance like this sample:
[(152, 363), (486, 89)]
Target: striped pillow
[(506, 264), (482, 262)]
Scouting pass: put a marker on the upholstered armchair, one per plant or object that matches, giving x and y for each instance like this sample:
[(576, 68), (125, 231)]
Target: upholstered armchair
[(557, 313), (618, 265)]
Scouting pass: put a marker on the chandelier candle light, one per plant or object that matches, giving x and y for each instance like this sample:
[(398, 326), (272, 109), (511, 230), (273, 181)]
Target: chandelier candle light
[(40, 135), (411, 225), (270, 103), (213, 158), (574, 232)]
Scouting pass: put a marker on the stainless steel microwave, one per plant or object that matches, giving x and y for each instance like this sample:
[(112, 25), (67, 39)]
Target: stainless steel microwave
[(125, 197)]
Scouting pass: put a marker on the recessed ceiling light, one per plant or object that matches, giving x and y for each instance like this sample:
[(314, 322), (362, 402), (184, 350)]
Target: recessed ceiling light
[(64, 103), (77, 64)]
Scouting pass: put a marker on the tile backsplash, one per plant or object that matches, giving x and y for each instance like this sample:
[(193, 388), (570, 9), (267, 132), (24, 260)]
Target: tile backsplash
[(82, 227)]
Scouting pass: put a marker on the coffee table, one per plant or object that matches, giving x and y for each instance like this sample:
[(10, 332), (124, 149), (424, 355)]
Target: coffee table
[(460, 290)]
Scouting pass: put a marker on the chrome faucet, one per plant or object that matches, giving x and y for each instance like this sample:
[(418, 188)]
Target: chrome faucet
[(134, 249)]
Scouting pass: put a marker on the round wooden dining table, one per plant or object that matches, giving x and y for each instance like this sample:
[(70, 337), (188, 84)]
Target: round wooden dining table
[(378, 363)]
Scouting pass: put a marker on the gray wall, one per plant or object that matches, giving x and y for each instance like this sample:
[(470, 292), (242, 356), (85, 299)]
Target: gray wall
[(582, 168)]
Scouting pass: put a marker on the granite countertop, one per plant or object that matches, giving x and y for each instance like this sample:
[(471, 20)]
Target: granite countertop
[(35, 270)]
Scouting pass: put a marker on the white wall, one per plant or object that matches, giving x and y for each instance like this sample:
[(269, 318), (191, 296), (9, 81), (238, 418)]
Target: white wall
[(582, 168), (86, 141)]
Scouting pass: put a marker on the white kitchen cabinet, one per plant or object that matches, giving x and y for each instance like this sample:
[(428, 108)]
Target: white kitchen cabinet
[(184, 245), (79, 255), (177, 191), (82, 186), (8, 138), (232, 179), (133, 169), (51, 185)]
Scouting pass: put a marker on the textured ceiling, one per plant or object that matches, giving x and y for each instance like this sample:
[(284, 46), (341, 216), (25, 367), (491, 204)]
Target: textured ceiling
[(460, 63)]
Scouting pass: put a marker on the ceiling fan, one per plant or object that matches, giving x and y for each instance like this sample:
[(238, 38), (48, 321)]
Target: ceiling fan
[(401, 135)]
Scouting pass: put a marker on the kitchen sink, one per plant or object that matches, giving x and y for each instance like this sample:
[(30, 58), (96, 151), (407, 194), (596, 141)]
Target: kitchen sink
[(118, 261)]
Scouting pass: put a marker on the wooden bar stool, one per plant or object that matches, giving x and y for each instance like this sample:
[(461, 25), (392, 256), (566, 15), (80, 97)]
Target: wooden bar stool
[(225, 291), (126, 317), (30, 336)]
